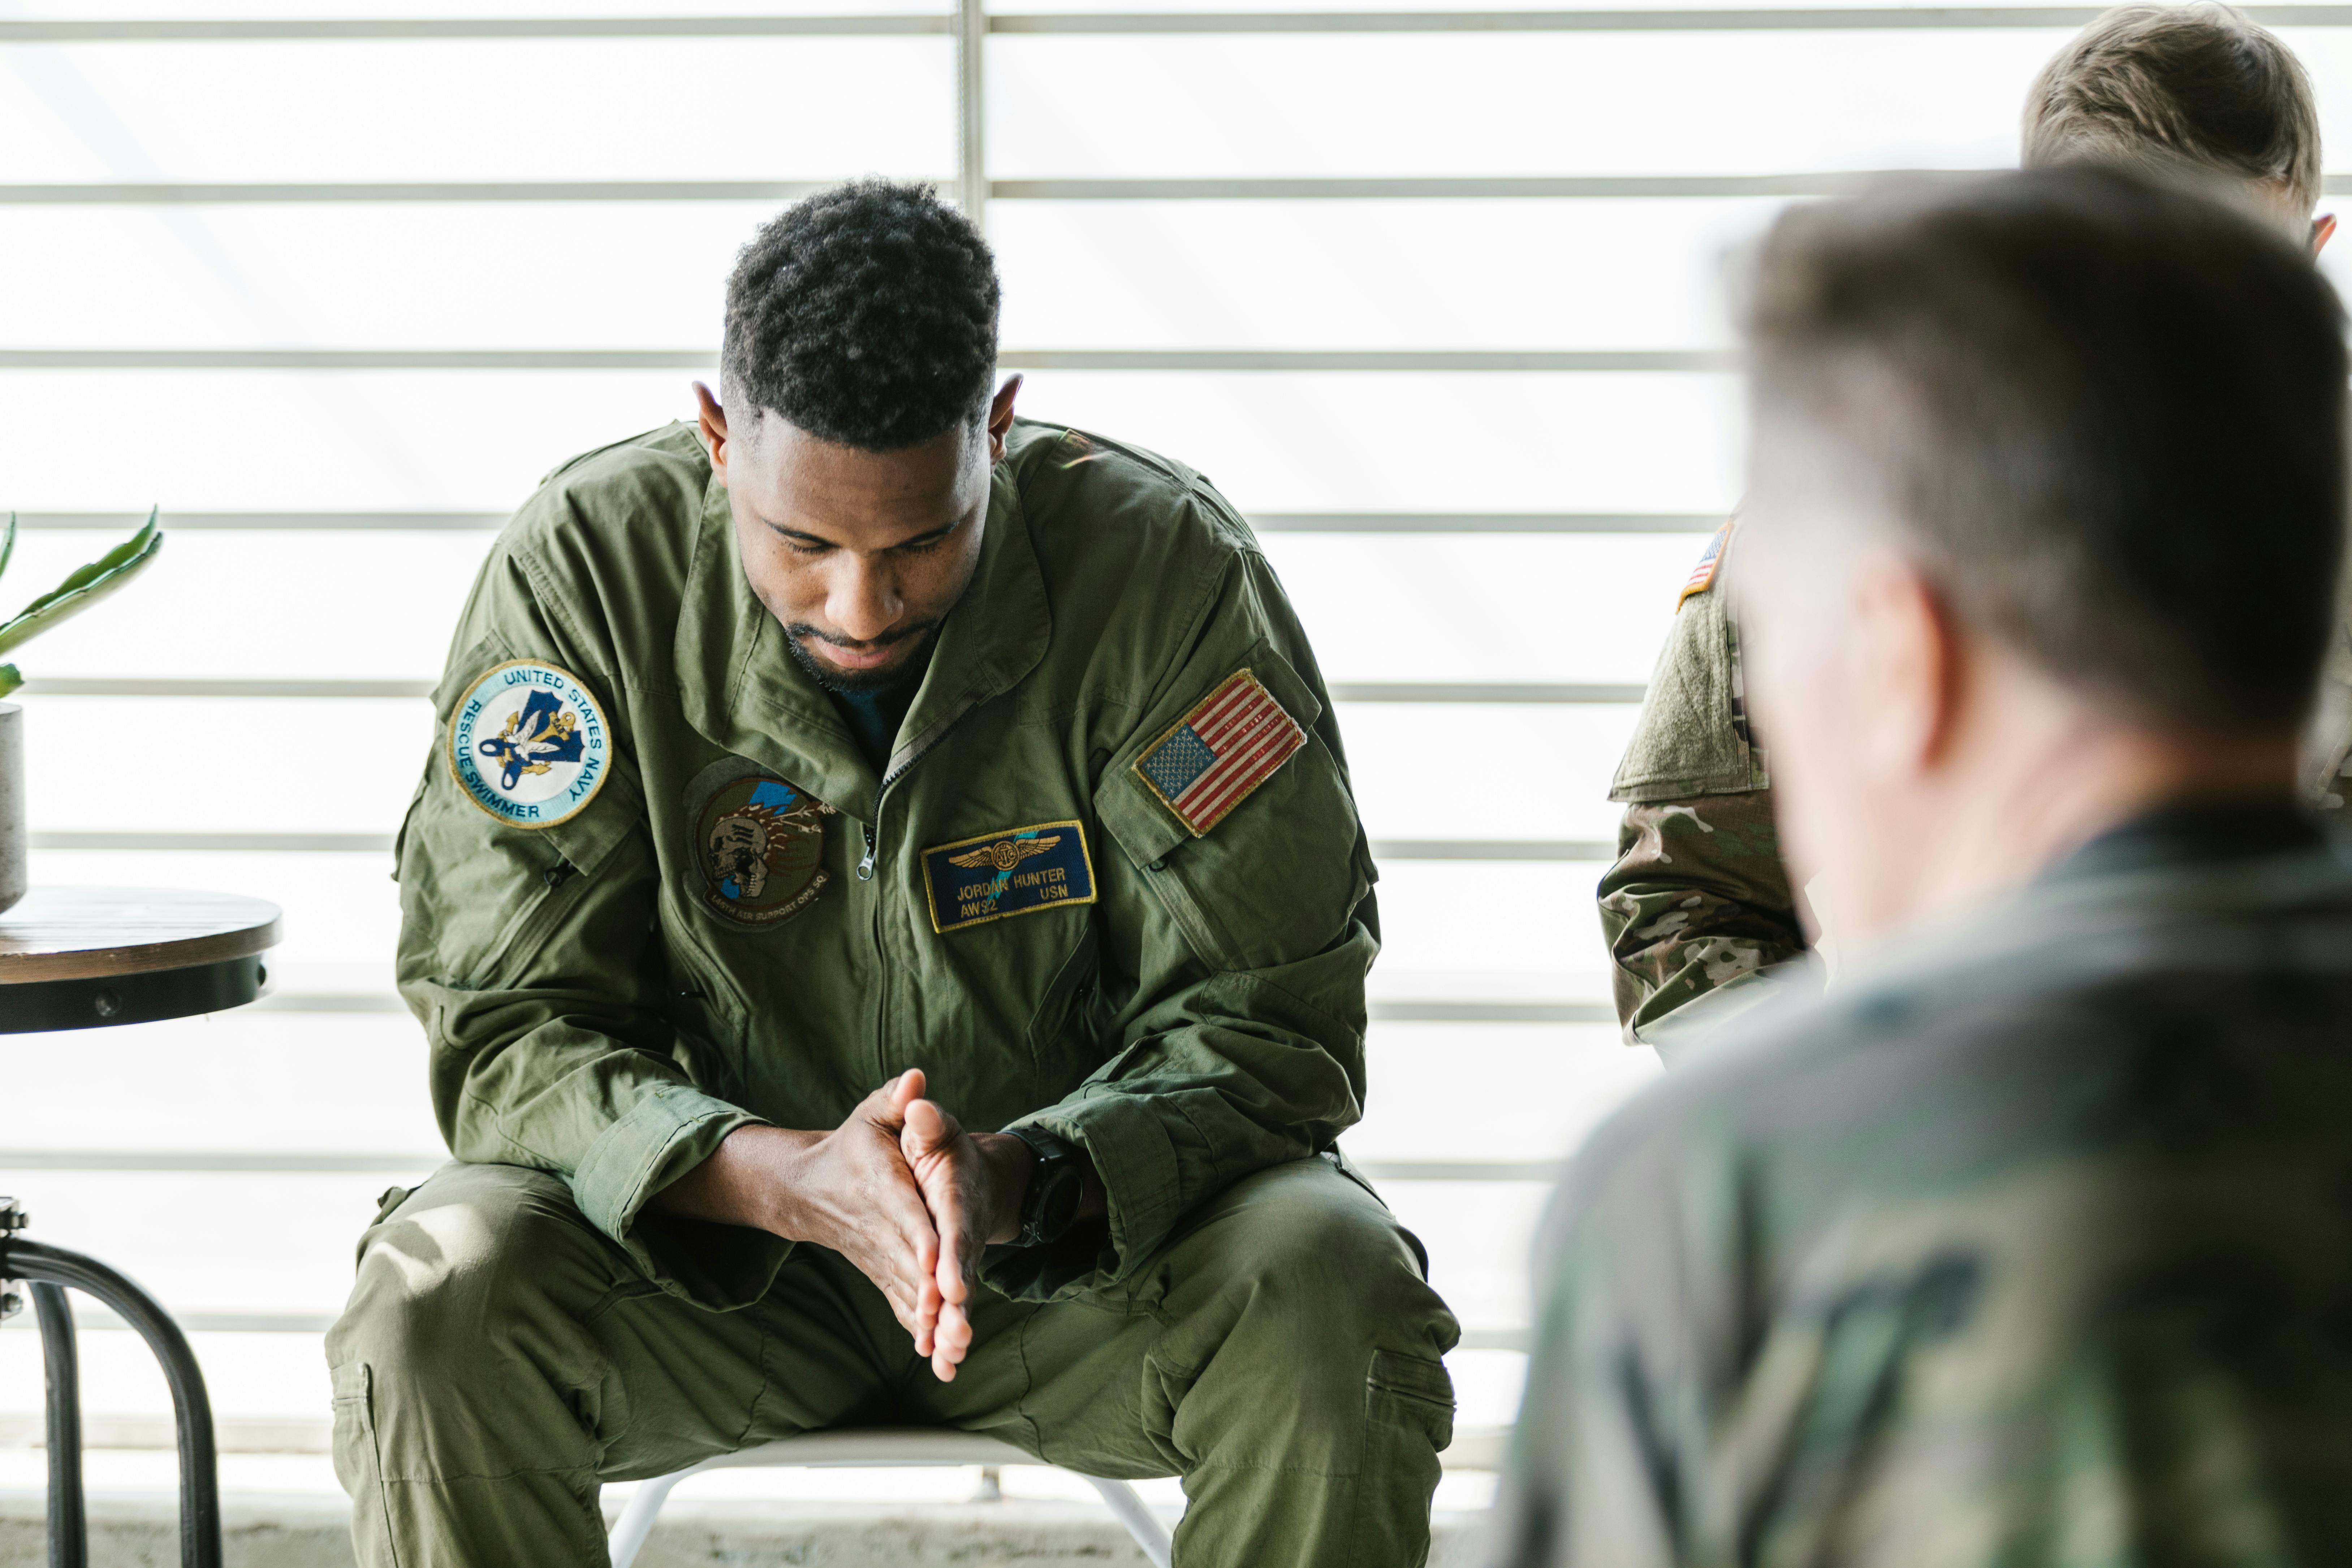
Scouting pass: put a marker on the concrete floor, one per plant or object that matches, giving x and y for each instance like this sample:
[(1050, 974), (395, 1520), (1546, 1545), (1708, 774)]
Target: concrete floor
[(310, 1532)]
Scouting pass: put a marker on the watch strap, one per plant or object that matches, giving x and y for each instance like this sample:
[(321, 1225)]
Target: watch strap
[(1054, 1191)]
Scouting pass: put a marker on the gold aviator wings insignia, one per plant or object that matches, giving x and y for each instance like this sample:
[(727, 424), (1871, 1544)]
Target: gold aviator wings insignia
[(1005, 853)]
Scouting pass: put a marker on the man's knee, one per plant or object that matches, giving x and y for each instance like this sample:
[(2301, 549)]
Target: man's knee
[(1300, 1280), (463, 1268), (1308, 1258)]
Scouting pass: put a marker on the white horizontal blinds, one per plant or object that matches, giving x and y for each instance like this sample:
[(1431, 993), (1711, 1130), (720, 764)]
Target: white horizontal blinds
[(488, 110), (1432, 293)]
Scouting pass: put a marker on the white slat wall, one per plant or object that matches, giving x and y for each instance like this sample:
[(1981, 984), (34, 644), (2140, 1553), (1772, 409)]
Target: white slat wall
[(1435, 296)]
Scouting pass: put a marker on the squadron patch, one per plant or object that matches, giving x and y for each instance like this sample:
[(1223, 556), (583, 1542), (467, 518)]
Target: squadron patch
[(528, 745), (1702, 575), (1016, 872), (761, 843), (1232, 742)]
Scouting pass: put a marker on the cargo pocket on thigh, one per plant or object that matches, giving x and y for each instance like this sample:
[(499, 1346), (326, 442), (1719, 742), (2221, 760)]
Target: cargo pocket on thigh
[(1408, 1418), (359, 1464), (1410, 1391)]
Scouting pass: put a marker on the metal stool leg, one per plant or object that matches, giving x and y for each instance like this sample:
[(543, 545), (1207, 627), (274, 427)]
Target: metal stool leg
[(636, 1520), (200, 1519), (1141, 1524), (68, 1525)]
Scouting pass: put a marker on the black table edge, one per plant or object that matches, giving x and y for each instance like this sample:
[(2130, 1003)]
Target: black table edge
[(38, 1006)]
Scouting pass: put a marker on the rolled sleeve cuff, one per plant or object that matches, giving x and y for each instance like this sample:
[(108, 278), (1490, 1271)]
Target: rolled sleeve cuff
[(666, 1134), (1142, 1191)]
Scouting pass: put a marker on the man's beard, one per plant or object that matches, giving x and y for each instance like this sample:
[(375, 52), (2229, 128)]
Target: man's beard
[(861, 682)]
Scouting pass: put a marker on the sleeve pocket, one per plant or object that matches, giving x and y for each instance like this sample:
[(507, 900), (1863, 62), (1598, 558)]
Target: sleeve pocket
[(1275, 881), (1143, 826)]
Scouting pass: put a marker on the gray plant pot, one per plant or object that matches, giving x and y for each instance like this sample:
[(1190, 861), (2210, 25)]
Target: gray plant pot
[(15, 847)]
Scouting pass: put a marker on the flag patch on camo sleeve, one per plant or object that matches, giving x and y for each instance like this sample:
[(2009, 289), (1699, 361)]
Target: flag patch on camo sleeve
[(1232, 742), (1702, 575)]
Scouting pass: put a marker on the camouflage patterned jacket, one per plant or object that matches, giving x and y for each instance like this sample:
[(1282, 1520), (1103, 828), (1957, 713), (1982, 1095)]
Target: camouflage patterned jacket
[(1698, 900), (2028, 1246)]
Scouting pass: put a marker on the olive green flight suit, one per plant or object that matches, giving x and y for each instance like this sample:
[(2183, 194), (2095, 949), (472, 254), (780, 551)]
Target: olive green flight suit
[(743, 924), (1698, 903)]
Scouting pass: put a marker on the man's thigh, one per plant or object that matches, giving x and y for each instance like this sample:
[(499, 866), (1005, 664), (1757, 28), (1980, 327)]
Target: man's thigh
[(502, 1331), (1253, 1335)]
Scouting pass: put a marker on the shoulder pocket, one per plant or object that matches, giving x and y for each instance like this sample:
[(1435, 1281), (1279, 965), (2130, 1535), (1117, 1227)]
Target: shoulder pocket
[(1687, 741), (1275, 879), (481, 895), (1136, 812)]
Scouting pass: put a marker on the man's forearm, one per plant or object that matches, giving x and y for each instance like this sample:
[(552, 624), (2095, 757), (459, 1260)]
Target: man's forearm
[(750, 1180)]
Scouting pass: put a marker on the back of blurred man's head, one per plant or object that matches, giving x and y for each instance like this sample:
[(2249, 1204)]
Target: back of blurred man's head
[(2099, 417), (2181, 89)]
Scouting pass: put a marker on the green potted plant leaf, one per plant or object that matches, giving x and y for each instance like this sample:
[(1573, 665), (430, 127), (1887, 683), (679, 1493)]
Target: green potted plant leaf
[(77, 593)]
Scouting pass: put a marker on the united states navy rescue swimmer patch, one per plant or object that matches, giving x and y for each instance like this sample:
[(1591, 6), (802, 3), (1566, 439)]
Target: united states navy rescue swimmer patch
[(1014, 871), (1232, 742), (1702, 575), (528, 745)]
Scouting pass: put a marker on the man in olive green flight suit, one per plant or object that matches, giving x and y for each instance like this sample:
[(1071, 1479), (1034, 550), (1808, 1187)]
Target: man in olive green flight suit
[(1698, 902), (862, 767)]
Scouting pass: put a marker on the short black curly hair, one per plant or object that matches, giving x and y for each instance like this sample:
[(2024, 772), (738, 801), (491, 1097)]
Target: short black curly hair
[(865, 315)]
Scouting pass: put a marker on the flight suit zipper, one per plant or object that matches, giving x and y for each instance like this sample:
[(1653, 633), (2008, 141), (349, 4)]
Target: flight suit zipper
[(865, 874), (874, 828)]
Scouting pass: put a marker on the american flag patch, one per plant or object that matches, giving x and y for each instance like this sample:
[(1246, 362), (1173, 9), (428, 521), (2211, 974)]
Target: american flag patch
[(1703, 574), (1225, 748)]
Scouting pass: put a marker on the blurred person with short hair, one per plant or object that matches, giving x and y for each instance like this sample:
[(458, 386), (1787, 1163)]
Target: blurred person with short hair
[(2031, 1244), (1699, 904)]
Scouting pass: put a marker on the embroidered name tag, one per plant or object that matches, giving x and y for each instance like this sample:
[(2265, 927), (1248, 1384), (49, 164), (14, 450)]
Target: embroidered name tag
[(1232, 742), (1016, 872)]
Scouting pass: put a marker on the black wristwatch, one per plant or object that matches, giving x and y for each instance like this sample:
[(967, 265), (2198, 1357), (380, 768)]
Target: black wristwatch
[(1056, 1186)]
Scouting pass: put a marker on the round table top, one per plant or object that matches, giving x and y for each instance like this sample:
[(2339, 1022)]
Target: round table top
[(96, 933)]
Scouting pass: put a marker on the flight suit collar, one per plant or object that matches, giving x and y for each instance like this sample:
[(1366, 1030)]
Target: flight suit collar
[(740, 686), (997, 633)]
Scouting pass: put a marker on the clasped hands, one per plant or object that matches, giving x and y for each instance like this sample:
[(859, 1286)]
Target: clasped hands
[(900, 1189)]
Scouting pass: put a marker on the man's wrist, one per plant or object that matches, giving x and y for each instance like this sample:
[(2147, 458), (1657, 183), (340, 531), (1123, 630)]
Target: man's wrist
[(749, 1180), (1008, 1162)]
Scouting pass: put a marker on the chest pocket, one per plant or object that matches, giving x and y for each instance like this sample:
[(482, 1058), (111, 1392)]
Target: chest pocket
[(1065, 1032)]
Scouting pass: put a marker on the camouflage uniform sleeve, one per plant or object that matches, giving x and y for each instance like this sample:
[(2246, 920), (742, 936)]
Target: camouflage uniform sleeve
[(1699, 897), (1604, 1448)]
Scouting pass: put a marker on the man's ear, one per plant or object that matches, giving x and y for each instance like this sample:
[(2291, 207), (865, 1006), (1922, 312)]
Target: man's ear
[(1907, 672), (1000, 418), (713, 420), (2323, 229)]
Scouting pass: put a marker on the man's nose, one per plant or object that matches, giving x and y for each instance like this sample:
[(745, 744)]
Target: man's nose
[(865, 602)]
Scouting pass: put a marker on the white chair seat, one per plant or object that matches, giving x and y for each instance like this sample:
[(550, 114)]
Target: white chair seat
[(876, 1446)]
